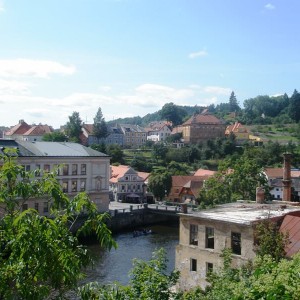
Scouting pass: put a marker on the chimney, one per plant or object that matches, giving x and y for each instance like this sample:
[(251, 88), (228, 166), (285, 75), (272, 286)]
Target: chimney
[(287, 177), (260, 195)]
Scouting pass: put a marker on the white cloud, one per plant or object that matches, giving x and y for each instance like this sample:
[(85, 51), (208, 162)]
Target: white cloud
[(198, 54), (33, 68), (13, 86), (269, 6)]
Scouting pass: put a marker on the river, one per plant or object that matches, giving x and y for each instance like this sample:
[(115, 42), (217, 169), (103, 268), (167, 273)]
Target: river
[(114, 265)]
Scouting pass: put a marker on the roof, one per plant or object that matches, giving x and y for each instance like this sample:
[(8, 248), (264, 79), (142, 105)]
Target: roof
[(119, 172), (19, 129), (181, 180), (204, 172), (291, 225), (244, 213), (39, 130), (194, 186), (236, 127), (51, 149), (278, 173), (131, 128), (203, 118)]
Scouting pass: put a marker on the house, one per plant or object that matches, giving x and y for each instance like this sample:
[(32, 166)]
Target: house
[(204, 234), (240, 132), (17, 131), (128, 185), (158, 131), (185, 188), (78, 169), (24, 132), (200, 128), (115, 136), (275, 181), (134, 135)]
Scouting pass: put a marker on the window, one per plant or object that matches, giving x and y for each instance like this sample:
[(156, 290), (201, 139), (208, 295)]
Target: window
[(66, 170), (37, 170), (46, 168), (236, 243), (82, 185), (83, 169), (36, 206), (56, 169), (65, 186), (74, 185), (209, 268), (193, 265), (24, 206), (193, 234), (74, 169), (209, 238), (26, 168), (45, 208)]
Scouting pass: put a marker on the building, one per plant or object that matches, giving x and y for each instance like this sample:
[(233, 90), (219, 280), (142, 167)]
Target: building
[(24, 132), (200, 128), (78, 169), (115, 136), (134, 135), (185, 189), (128, 185), (158, 131), (240, 132), (204, 234)]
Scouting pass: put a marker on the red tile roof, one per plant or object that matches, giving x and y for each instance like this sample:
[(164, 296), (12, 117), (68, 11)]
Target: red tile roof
[(203, 118), (119, 171), (278, 173), (291, 225), (39, 130), (19, 129), (203, 172)]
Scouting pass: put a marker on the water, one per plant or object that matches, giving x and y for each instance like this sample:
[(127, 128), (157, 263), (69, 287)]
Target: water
[(114, 265)]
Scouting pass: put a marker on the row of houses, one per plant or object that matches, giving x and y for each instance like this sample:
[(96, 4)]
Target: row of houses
[(197, 129)]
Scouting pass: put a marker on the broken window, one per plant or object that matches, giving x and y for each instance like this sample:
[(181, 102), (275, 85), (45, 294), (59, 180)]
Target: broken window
[(193, 234), (193, 265), (209, 268), (209, 238), (236, 243)]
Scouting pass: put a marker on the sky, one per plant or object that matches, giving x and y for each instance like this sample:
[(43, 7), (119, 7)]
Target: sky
[(130, 57)]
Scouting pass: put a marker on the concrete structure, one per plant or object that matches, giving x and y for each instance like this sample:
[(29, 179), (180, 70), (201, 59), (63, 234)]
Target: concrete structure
[(200, 128), (78, 169), (204, 234), (128, 185)]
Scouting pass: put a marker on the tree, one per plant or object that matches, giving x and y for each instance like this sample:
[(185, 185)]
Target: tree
[(116, 153), (160, 182), (173, 113), (159, 151), (39, 256), (148, 281), (233, 103), (294, 107), (73, 127), (100, 129), (55, 136)]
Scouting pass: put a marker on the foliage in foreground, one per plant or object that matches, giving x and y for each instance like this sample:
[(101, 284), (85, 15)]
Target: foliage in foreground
[(38, 255)]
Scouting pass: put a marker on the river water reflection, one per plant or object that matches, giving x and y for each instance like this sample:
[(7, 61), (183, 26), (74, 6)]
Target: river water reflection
[(114, 265)]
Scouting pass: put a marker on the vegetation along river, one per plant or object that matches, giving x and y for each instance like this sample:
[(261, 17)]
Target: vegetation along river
[(114, 265)]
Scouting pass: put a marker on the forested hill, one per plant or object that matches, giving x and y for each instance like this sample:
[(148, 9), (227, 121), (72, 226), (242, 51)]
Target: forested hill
[(259, 110)]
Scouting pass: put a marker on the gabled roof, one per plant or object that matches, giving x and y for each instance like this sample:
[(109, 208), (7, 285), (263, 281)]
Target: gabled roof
[(291, 225), (236, 127), (19, 129), (39, 130), (194, 186), (120, 171), (203, 118), (278, 173)]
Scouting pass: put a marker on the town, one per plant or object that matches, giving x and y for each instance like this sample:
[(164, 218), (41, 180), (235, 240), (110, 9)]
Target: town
[(207, 224)]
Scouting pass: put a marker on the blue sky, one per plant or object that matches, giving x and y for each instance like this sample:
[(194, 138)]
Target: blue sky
[(130, 57)]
